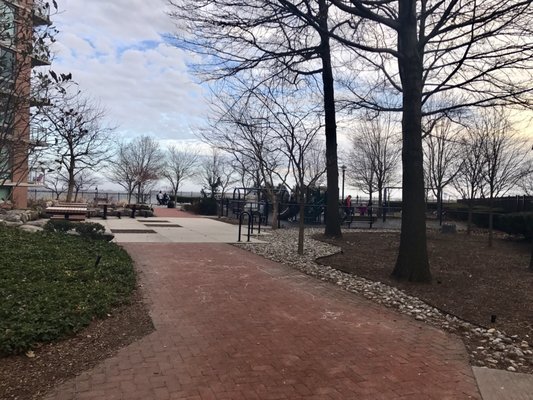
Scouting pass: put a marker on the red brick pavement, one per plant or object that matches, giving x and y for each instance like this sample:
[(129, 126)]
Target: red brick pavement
[(232, 325)]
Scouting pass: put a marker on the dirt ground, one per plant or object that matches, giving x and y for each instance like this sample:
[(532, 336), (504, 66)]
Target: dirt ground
[(23, 377), (470, 280)]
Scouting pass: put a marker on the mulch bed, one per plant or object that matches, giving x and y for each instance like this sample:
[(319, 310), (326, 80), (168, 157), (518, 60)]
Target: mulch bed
[(470, 280), (22, 377)]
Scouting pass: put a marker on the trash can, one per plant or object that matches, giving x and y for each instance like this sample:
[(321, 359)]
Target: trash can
[(171, 204)]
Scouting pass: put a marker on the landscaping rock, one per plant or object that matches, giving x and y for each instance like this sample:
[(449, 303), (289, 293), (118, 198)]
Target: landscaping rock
[(30, 228)]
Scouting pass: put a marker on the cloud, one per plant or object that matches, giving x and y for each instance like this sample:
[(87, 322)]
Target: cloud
[(117, 52)]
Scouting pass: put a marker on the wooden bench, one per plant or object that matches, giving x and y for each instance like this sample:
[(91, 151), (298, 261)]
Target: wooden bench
[(361, 218), (70, 211)]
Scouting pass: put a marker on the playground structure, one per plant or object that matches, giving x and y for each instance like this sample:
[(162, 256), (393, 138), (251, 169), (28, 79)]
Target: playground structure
[(314, 207), (255, 202)]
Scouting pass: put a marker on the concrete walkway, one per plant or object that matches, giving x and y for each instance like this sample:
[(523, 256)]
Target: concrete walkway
[(232, 325)]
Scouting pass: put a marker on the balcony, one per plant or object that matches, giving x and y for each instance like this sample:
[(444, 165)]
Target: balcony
[(41, 13), (40, 56), (38, 100)]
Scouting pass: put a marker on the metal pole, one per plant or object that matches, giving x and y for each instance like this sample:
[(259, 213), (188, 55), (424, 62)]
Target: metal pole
[(343, 174)]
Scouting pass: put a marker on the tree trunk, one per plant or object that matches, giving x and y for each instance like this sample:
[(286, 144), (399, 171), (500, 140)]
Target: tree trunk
[(333, 223), (380, 201), (439, 205), (491, 219), (412, 263), (70, 191), (301, 222), (275, 207)]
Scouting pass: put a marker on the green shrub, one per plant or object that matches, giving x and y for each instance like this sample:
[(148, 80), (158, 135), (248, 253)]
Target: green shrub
[(51, 287), (208, 206), (90, 230), (58, 225)]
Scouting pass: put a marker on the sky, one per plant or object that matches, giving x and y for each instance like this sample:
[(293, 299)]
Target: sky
[(117, 53)]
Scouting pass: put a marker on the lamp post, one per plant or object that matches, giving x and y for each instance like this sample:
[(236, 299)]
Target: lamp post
[(343, 174)]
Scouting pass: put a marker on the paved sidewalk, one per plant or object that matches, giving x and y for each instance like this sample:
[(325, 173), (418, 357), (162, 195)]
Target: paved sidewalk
[(496, 384), (171, 225), (232, 325)]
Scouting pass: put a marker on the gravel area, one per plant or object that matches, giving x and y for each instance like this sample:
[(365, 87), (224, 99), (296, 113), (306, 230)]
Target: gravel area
[(487, 347)]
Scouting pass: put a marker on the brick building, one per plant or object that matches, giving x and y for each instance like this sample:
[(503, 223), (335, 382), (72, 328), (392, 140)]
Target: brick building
[(21, 49)]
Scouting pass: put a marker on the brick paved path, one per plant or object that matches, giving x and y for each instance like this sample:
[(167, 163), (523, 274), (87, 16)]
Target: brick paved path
[(231, 325)]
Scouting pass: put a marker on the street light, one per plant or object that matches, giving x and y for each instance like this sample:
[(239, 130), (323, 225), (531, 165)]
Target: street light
[(343, 174)]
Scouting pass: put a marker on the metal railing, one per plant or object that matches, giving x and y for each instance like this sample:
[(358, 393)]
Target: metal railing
[(41, 12)]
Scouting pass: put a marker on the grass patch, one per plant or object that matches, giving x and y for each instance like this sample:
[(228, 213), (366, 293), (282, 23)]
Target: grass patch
[(50, 286)]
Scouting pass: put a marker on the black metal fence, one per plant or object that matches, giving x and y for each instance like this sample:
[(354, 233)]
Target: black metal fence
[(112, 196)]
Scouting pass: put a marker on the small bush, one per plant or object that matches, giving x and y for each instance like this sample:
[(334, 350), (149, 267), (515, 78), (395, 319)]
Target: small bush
[(58, 225), (208, 206), (90, 230)]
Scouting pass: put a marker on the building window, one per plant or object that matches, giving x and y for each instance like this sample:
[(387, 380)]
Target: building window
[(7, 68), (6, 114), (5, 163), (7, 23)]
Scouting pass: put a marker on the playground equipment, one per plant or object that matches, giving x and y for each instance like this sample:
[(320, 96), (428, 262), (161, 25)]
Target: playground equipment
[(253, 200), (315, 200)]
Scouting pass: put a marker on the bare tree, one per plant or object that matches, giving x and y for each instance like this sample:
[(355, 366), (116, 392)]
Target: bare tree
[(374, 156), (83, 180), (296, 128), (180, 165), (56, 184), (429, 57), (122, 168), (137, 166), (526, 184), (505, 156), (469, 179), (293, 45), (240, 126), (216, 173), (248, 171), (442, 158), (82, 140), (314, 163)]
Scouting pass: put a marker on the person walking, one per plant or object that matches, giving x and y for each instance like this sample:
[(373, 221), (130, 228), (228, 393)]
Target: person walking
[(348, 206)]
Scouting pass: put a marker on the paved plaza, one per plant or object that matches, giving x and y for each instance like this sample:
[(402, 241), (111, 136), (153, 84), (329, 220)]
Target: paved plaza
[(232, 325)]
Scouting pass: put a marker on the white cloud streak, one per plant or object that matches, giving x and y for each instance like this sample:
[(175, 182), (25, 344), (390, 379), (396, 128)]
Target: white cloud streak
[(116, 52)]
